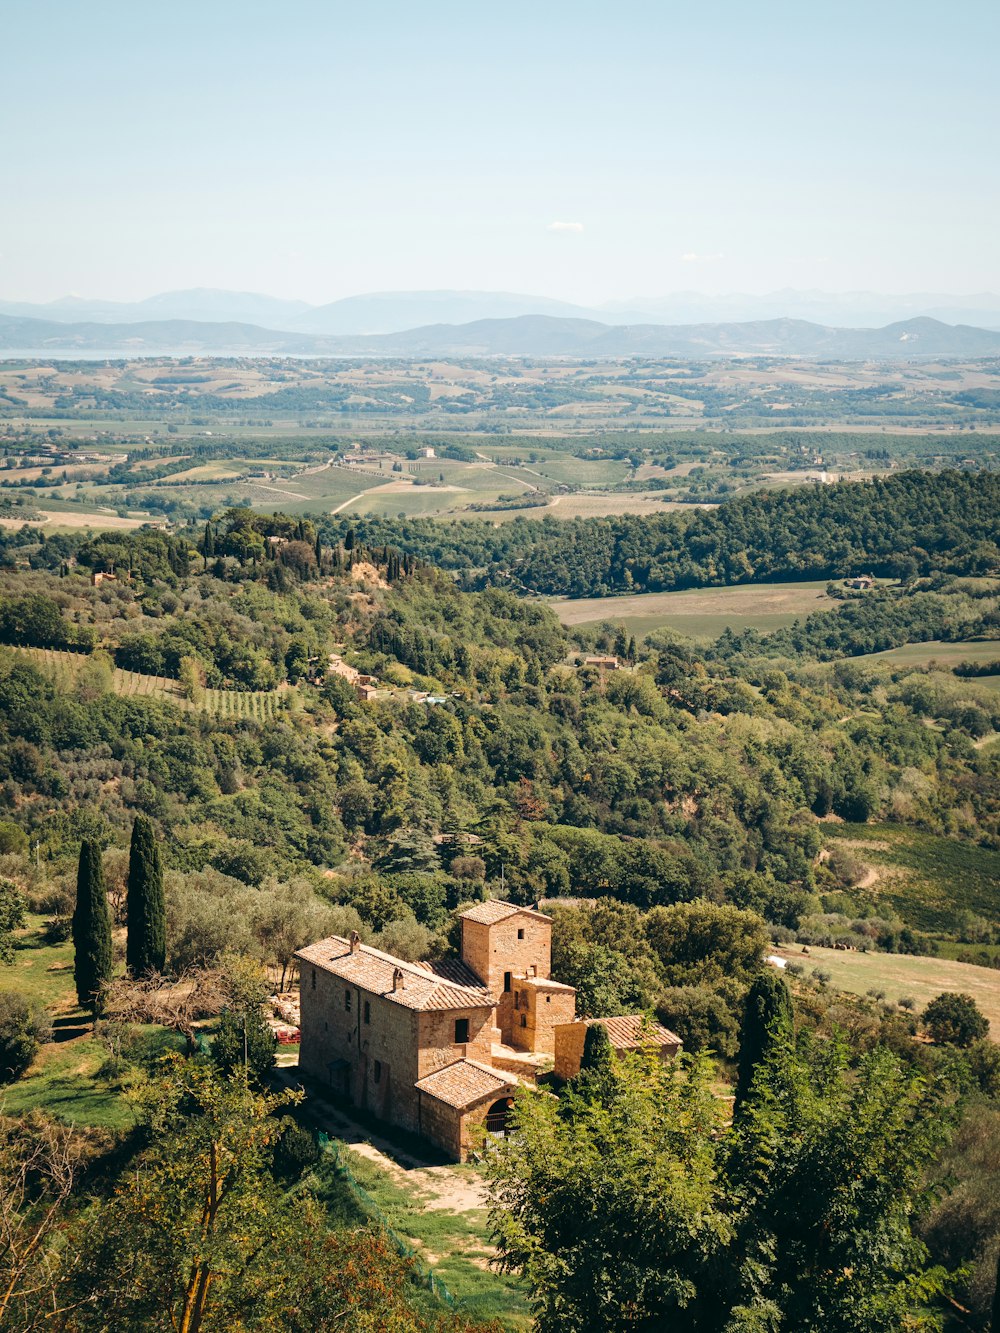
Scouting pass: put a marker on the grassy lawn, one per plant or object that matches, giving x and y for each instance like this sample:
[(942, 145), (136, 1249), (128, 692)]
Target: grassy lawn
[(901, 975), (64, 1078), (928, 880), (453, 1241)]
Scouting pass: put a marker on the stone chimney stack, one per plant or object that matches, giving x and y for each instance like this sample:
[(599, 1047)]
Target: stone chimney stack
[(355, 941), (398, 979)]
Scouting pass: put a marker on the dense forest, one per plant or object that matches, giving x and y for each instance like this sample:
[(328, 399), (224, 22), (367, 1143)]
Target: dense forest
[(913, 522)]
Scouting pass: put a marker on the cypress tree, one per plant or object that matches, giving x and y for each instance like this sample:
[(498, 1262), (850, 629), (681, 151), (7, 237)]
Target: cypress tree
[(598, 1053), (319, 552), (767, 1018), (147, 928), (91, 928)]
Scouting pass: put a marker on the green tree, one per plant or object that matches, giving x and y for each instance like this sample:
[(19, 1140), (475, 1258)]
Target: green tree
[(704, 943), (92, 955), (637, 1208), (146, 947), (955, 1019), (13, 839), (243, 1040), (826, 1170), (598, 1053), (767, 1018), (13, 906)]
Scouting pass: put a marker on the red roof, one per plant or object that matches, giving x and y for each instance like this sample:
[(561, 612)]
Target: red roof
[(449, 985)]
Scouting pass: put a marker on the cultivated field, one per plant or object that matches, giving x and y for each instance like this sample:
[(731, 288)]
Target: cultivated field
[(702, 613), (902, 975), (64, 668), (934, 652)]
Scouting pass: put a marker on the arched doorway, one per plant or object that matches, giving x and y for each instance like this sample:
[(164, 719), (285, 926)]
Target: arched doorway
[(498, 1116)]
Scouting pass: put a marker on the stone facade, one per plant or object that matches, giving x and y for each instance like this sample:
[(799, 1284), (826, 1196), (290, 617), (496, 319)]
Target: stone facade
[(440, 1048), (631, 1032)]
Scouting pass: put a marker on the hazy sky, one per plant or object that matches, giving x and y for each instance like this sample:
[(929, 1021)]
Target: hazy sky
[(321, 149)]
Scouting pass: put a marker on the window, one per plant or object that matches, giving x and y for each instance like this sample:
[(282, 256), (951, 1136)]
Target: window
[(461, 1031), (314, 978), (520, 933), (548, 999), (524, 1020), (347, 1000), (377, 1071), (368, 1012), (506, 981)]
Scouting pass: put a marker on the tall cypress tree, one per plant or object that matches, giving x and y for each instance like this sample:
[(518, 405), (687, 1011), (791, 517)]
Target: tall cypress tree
[(767, 1018), (91, 928), (147, 927)]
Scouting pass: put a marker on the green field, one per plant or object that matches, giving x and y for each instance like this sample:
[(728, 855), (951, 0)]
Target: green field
[(702, 613), (930, 881), (946, 655), (900, 975)]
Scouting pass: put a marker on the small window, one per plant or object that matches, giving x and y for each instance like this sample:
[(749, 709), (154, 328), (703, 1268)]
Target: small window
[(347, 1000), (377, 1072), (524, 1020), (461, 1031), (520, 933), (506, 981), (368, 1012), (314, 978), (548, 999)]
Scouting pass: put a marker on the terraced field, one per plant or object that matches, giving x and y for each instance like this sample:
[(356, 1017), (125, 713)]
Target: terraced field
[(64, 668)]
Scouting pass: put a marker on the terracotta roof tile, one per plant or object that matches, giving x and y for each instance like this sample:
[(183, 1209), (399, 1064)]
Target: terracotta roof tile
[(630, 1032), (449, 985), (465, 1083), (493, 910)]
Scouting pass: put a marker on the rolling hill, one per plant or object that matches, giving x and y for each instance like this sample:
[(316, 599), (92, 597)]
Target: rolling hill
[(524, 335)]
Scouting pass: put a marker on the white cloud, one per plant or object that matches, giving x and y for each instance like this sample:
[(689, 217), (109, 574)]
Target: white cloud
[(565, 226), (693, 258)]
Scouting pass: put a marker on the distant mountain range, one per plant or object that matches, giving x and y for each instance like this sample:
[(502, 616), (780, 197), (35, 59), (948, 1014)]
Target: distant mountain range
[(523, 335), (397, 312)]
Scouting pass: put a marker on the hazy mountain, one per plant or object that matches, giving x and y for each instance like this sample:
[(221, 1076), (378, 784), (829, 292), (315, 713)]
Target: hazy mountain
[(840, 309), (201, 303), (166, 337), (525, 335), (395, 312)]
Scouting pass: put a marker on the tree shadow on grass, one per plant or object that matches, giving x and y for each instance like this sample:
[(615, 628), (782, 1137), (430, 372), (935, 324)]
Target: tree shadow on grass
[(70, 1026)]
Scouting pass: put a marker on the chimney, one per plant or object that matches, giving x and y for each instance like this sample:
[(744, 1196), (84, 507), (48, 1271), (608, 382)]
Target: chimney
[(355, 941), (398, 980)]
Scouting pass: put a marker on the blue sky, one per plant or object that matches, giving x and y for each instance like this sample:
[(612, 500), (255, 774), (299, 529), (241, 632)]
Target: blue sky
[(317, 150)]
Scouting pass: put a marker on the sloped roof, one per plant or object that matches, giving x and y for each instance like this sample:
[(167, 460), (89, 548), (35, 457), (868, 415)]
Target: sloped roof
[(449, 985), (630, 1032), (493, 910), (465, 1083)]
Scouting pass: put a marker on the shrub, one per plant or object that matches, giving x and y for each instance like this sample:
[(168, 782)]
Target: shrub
[(295, 1152), (23, 1025)]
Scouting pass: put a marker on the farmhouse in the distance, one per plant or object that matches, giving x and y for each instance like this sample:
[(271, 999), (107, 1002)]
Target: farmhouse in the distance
[(440, 1048)]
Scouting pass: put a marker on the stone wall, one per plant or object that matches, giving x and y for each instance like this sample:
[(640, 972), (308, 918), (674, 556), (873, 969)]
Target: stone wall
[(537, 1012), (376, 1037), (438, 1046)]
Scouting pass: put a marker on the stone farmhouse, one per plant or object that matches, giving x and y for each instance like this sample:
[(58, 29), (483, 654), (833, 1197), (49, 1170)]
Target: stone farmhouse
[(440, 1048)]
